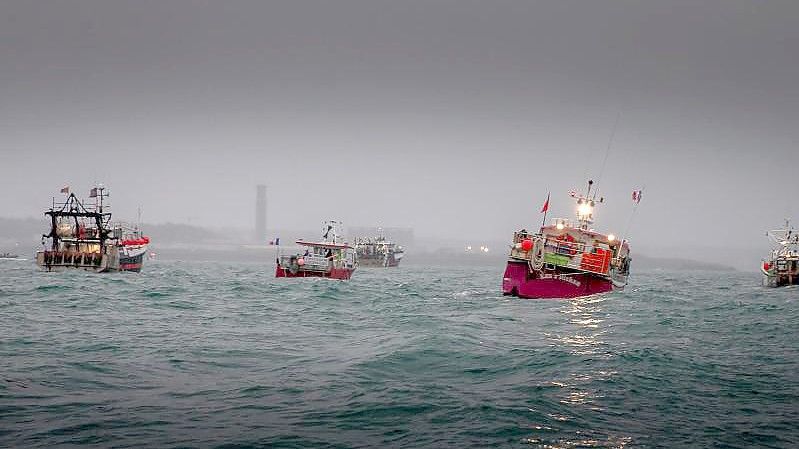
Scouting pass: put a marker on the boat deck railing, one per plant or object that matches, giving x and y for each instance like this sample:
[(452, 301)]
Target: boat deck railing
[(312, 262), (562, 253)]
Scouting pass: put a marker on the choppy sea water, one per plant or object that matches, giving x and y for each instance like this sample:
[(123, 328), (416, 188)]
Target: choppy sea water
[(224, 355)]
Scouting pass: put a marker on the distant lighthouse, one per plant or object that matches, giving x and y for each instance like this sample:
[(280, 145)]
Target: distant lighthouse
[(260, 213)]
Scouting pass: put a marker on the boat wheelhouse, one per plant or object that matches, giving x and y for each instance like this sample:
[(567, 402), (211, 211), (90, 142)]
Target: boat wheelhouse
[(782, 268), (567, 259), (329, 258)]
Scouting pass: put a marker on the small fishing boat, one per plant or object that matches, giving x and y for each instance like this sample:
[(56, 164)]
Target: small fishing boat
[(328, 258), (132, 249), (566, 259), (378, 251), (8, 256), (782, 268)]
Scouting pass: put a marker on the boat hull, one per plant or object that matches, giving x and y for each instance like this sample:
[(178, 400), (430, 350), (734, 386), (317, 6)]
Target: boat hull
[(63, 261), (132, 258), (333, 273), (781, 271), (779, 280), (520, 281), (378, 261)]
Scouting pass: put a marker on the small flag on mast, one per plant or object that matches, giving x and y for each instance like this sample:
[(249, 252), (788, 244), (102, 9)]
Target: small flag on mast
[(65, 189), (546, 204), (93, 193), (636, 196)]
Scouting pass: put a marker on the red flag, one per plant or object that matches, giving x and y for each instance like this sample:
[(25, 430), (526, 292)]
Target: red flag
[(93, 193), (636, 196), (65, 189), (546, 205)]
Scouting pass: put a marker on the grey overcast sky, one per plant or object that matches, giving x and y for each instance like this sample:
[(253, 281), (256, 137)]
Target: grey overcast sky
[(455, 117)]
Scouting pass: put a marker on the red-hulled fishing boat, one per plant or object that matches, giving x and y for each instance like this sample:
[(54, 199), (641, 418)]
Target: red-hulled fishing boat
[(133, 247), (565, 259), (328, 258)]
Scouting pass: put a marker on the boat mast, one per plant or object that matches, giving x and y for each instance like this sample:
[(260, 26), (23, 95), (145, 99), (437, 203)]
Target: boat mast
[(585, 208), (331, 226), (100, 195)]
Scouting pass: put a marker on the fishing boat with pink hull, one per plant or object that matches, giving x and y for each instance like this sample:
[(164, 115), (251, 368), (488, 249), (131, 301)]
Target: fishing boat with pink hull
[(329, 258), (567, 259)]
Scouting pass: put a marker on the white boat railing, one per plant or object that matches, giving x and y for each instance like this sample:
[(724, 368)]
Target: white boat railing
[(553, 252)]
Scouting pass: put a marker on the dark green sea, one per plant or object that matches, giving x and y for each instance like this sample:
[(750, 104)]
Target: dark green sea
[(190, 354)]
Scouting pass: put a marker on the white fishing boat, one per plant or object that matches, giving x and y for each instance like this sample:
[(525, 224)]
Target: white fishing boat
[(782, 267)]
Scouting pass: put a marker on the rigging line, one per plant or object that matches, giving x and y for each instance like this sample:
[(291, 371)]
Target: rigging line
[(632, 215), (607, 151)]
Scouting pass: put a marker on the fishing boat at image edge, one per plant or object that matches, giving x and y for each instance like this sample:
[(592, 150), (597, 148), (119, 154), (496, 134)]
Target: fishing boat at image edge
[(566, 259), (82, 237), (329, 258), (378, 251), (782, 268)]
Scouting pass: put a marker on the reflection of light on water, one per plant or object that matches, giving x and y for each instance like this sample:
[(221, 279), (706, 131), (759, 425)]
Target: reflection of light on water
[(581, 335), (583, 344), (587, 322), (579, 441), (578, 397), (561, 418)]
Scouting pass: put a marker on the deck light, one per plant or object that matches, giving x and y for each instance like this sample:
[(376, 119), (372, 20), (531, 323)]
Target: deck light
[(611, 237)]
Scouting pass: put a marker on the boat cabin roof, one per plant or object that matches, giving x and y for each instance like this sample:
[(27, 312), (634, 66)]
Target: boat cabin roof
[(324, 244)]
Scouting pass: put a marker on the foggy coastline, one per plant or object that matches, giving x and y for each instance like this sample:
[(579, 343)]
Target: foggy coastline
[(173, 242)]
